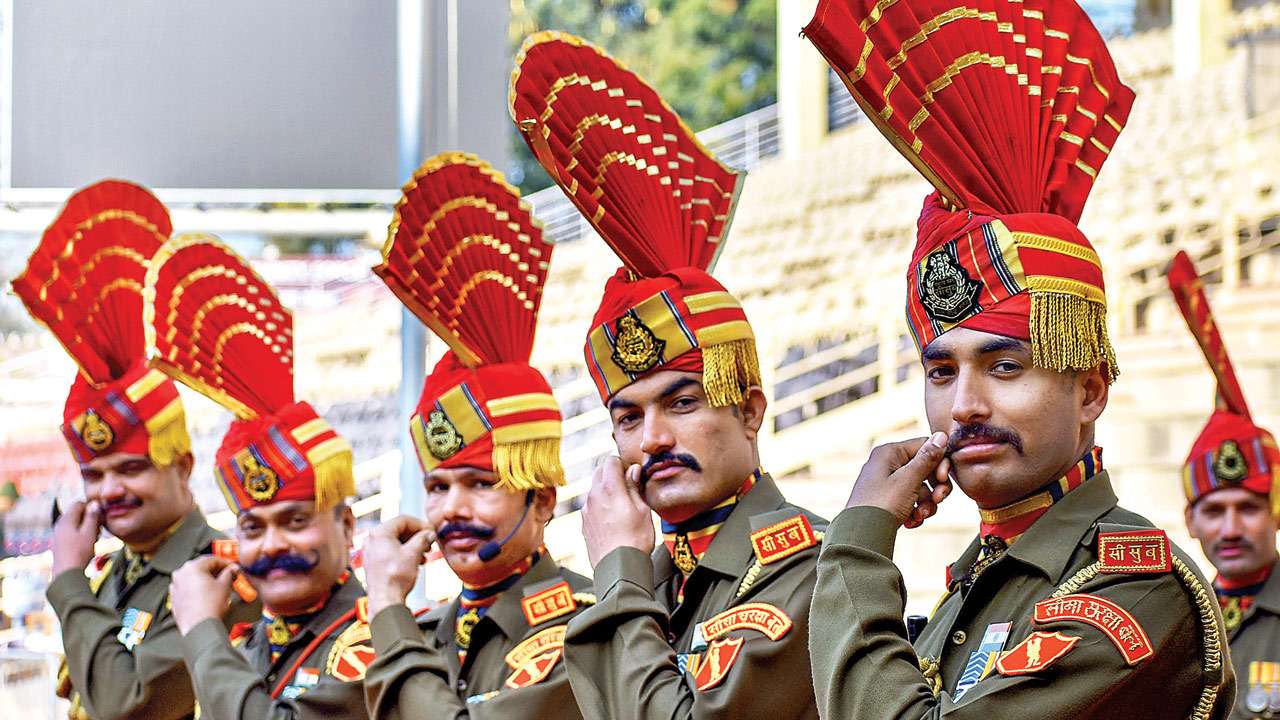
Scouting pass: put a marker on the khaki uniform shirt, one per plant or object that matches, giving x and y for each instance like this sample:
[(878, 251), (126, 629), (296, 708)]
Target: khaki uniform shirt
[(1255, 655), (865, 668), (123, 649), (513, 668), (636, 654), (236, 680)]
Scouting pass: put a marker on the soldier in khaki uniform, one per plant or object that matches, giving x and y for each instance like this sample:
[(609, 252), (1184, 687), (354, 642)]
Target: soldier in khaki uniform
[(1233, 507), (1065, 606), (127, 430), (285, 473), (487, 435), (714, 621)]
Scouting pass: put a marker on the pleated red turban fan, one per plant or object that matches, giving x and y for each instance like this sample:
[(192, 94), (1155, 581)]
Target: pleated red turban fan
[(1009, 108), (84, 282), (659, 198), (465, 255), (1231, 450), (218, 327)]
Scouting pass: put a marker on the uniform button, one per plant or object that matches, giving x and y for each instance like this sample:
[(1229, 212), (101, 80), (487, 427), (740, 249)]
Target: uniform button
[(671, 638), (958, 637), (462, 685)]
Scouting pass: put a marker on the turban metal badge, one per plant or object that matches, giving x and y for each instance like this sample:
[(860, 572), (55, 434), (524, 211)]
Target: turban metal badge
[(95, 432), (947, 292), (636, 349), (260, 481), (443, 439), (1229, 463)]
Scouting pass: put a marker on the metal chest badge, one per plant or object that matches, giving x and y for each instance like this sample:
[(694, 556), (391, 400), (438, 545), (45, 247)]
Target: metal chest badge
[(947, 292), (133, 627), (636, 348)]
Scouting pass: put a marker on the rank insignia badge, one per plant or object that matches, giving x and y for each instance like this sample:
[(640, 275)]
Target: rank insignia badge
[(1037, 652), (134, 627), (549, 604), (635, 348), (981, 660), (1137, 551), (784, 539)]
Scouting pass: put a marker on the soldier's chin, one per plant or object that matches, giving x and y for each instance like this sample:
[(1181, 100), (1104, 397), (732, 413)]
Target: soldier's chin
[(287, 592)]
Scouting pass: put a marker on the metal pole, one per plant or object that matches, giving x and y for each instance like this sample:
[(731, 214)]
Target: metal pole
[(410, 20)]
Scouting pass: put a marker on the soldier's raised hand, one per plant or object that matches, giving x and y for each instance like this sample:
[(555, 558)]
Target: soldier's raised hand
[(908, 479), (615, 514), (393, 551), (200, 590), (74, 535)]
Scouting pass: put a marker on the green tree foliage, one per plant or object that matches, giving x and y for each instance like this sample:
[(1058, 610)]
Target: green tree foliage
[(712, 60)]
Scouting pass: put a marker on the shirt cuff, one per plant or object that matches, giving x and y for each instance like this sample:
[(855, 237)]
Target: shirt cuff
[(391, 624), (866, 527), (69, 585), (624, 563)]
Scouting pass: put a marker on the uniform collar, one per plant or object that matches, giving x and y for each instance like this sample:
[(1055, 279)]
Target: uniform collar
[(731, 549), (193, 534), (340, 601), (508, 611), (1074, 516)]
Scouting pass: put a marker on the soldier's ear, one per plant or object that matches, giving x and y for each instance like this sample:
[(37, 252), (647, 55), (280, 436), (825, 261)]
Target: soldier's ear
[(751, 409), (1094, 395)]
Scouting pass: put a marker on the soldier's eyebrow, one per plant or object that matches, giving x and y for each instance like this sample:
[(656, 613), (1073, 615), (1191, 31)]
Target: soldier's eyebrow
[(1003, 345), (935, 353), (677, 386)]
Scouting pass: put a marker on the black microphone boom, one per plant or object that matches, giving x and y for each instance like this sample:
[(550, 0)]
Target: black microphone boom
[(491, 550)]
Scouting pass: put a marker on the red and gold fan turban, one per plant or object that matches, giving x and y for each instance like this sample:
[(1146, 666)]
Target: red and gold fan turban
[(84, 282), (659, 198), (218, 327), (465, 255), (1009, 108), (1231, 450)]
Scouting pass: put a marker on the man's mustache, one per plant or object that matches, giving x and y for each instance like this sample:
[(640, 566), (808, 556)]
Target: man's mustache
[(451, 530), (125, 502), (982, 430), (1242, 544), (289, 562), (666, 456)]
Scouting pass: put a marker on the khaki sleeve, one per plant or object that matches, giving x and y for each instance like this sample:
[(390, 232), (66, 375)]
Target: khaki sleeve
[(228, 688), (864, 667), (621, 666), (406, 675), (150, 681)]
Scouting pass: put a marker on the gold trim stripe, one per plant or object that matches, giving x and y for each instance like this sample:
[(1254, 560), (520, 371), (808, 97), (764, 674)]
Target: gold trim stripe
[(716, 300), (310, 429), (151, 380), (1057, 245), (724, 332), (334, 446), (527, 402), (520, 432), (1066, 286)]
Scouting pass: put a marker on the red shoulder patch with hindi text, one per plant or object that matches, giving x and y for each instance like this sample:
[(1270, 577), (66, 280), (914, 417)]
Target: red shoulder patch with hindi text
[(1136, 551), (1115, 622), (549, 604), (783, 539)]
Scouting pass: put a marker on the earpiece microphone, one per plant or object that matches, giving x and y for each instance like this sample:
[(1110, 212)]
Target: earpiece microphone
[(491, 550)]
